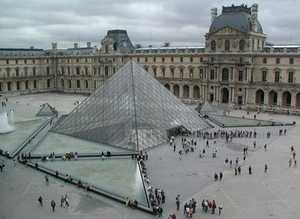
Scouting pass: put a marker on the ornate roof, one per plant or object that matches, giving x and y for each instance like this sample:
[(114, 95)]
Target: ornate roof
[(236, 17)]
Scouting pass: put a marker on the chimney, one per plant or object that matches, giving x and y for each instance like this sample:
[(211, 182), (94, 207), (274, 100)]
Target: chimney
[(54, 45), (75, 45), (88, 44), (214, 14), (254, 11)]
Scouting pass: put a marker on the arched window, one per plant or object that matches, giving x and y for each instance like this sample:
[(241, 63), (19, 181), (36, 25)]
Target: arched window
[(286, 98), (260, 97), (186, 91), (272, 98), (227, 45), (176, 90), (213, 45), (196, 92), (298, 101), (242, 45)]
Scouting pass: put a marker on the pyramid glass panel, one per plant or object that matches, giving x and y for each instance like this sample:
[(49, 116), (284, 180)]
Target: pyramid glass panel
[(131, 110), (47, 110), (118, 177)]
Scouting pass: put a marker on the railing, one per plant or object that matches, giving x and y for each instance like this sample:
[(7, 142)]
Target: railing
[(30, 137)]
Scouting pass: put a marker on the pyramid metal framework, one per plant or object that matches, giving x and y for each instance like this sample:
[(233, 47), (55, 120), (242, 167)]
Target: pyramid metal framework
[(131, 110)]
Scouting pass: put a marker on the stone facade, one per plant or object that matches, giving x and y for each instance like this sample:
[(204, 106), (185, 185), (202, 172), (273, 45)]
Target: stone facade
[(235, 67)]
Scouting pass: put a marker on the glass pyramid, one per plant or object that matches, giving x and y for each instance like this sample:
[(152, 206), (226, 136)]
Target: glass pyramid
[(131, 110), (47, 110)]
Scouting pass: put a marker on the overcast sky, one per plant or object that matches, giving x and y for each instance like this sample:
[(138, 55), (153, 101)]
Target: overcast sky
[(39, 22)]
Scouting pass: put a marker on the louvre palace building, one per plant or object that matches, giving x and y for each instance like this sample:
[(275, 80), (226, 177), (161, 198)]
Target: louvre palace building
[(236, 66)]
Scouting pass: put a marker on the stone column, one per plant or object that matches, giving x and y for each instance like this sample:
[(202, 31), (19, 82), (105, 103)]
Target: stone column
[(233, 95), (180, 91), (172, 88), (293, 100), (191, 92), (279, 98), (266, 95), (246, 96)]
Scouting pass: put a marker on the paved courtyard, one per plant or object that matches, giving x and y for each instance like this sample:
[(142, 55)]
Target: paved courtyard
[(260, 195)]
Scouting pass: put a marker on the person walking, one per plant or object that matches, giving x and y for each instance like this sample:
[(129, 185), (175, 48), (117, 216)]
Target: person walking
[(290, 162), (62, 201), (53, 205), (178, 202), (220, 209), (265, 147), (46, 179), (266, 168), (220, 176), (250, 170), (213, 207), (294, 155), (239, 170), (40, 199)]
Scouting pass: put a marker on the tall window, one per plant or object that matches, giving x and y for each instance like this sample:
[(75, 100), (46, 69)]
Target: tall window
[(291, 77), (25, 71), (17, 71), (106, 71), (265, 60), (33, 71), (172, 72), (264, 76), (291, 61), (227, 45), (78, 70), (277, 60), (78, 83), (48, 70), (163, 71), (212, 74), (213, 45), (277, 76), (242, 45), (181, 73), (241, 75), (34, 84), (154, 71), (191, 72), (225, 74)]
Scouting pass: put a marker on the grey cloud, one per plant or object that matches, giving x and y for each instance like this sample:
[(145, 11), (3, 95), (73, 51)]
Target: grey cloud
[(38, 23)]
